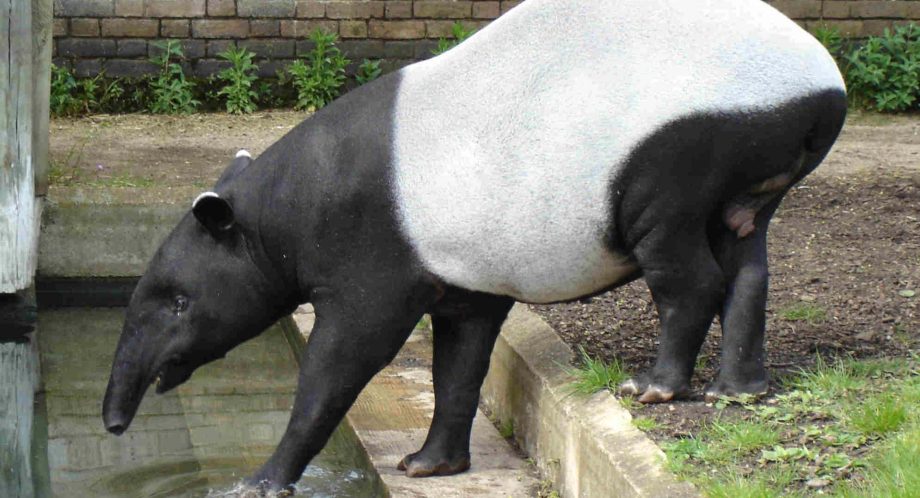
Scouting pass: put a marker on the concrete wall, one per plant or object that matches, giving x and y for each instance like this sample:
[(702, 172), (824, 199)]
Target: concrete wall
[(116, 35)]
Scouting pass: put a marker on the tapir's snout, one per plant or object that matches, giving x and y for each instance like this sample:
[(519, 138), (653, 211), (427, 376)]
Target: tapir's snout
[(120, 404)]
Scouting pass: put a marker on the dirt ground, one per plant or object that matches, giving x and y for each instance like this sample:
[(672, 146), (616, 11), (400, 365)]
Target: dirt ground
[(159, 150), (845, 243)]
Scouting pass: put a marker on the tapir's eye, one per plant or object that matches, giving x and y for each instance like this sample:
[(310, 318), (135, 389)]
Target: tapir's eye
[(181, 304)]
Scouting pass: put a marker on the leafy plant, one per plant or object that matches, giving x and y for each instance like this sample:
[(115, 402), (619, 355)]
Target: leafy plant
[(319, 80), (63, 85), (885, 72), (238, 78), (831, 39), (459, 32), (70, 96), (368, 71), (171, 91)]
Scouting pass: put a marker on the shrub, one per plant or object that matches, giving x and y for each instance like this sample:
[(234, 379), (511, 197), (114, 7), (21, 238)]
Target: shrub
[(460, 34), (368, 71), (239, 78), (319, 80), (884, 73), (171, 91)]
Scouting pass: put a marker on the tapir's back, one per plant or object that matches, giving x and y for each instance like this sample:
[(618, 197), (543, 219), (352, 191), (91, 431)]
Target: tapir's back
[(506, 146)]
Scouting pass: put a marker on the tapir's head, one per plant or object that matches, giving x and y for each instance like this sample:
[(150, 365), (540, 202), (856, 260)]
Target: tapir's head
[(204, 293)]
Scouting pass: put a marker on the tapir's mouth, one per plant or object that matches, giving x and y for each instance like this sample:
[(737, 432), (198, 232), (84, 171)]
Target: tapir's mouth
[(173, 373)]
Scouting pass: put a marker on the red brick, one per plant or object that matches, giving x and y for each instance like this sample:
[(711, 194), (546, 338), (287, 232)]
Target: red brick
[(175, 8), (303, 28), (399, 10), (876, 9), (310, 9), (848, 28), (220, 28), (129, 8), (174, 28), (130, 28), (508, 5), (913, 10), (220, 8), (59, 28), (396, 30), (876, 27), (354, 9), (799, 9), (264, 27), (353, 29), (440, 9), (84, 27), (836, 10), (486, 10), (265, 8)]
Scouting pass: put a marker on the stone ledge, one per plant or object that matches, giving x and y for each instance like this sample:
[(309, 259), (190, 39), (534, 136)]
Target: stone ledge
[(587, 445)]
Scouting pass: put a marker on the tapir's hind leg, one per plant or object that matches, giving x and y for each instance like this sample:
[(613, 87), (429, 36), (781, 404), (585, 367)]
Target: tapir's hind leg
[(463, 339), (687, 287), (744, 263)]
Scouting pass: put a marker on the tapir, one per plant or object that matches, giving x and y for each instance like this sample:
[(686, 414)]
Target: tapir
[(568, 148)]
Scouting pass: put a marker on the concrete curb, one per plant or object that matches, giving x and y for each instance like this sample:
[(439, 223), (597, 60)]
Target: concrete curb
[(588, 446)]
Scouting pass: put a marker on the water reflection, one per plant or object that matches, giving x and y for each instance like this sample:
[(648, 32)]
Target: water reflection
[(201, 438)]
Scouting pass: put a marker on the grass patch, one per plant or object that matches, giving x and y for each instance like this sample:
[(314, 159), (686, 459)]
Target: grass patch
[(804, 312), (595, 375), (845, 428), (879, 416), (646, 424)]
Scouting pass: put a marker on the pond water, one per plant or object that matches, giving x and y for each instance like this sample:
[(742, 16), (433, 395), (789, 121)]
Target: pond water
[(199, 440)]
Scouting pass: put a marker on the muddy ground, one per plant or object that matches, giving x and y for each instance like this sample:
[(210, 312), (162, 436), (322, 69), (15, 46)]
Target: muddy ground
[(845, 243)]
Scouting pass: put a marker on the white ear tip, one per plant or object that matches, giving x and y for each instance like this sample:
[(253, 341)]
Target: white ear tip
[(204, 195), (243, 153)]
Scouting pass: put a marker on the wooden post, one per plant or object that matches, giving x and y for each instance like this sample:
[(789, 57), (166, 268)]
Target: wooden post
[(42, 26), (18, 234), (24, 76)]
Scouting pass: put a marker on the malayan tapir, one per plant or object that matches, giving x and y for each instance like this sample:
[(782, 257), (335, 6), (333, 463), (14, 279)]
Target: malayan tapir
[(568, 148)]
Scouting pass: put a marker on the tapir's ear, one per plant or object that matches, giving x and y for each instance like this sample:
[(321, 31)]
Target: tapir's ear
[(242, 161), (214, 212)]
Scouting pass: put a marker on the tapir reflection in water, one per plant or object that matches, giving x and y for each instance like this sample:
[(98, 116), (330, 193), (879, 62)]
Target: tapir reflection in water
[(566, 149)]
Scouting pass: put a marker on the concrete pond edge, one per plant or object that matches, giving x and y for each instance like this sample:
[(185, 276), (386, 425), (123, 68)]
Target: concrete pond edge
[(587, 445)]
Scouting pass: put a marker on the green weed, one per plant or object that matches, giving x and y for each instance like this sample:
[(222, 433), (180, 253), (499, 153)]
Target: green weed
[(319, 80), (594, 375), (368, 71), (459, 32), (172, 93), (238, 80)]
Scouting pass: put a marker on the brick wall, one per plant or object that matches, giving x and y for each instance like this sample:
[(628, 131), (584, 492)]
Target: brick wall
[(116, 35)]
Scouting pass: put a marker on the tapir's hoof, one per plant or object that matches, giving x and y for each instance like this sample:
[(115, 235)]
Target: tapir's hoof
[(649, 392), (417, 465), (724, 388)]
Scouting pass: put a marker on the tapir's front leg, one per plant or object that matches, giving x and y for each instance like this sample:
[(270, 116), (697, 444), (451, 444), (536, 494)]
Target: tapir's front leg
[(354, 338)]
